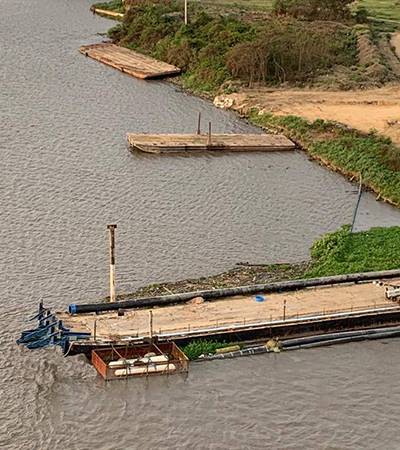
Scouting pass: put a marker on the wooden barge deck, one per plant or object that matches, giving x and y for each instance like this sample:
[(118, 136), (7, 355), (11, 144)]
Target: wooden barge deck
[(172, 143), (129, 61), (297, 313)]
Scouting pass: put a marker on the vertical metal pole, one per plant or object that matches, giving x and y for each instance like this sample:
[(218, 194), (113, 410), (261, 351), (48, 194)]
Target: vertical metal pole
[(151, 329), (199, 124), (284, 310), (186, 13), (112, 261), (357, 205), (209, 133)]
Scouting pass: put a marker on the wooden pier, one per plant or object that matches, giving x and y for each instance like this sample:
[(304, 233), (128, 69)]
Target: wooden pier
[(128, 61), (174, 143)]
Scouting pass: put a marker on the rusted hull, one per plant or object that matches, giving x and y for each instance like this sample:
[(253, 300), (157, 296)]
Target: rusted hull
[(102, 359)]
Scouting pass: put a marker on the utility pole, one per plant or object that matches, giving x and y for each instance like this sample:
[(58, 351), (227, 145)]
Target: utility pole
[(357, 205), (199, 124), (112, 261), (186, 12), (151, 329)]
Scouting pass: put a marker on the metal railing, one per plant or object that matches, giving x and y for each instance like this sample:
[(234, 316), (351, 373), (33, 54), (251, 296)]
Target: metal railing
[(284, 319)]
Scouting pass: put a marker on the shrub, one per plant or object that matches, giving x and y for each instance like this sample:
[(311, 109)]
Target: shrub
[(290, 50), (314, 9), (202, 347), (211, 50)]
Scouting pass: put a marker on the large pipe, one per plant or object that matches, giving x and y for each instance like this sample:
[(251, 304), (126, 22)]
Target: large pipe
[(344, 335), (228, 292), (314, 341)]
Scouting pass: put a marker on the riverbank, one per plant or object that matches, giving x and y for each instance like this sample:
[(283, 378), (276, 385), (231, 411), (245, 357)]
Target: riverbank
[(218, 48), (347, 151), (208, 67)]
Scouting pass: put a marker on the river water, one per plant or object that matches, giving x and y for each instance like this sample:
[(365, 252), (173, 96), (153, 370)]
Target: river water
[(66, 172)]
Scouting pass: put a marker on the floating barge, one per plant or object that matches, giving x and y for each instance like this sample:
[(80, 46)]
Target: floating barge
[(175, 143), (129, 61), (330, 309), (288, 310)]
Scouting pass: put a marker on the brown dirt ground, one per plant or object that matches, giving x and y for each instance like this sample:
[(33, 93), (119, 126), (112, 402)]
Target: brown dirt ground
[(365, 110), (396, 43)]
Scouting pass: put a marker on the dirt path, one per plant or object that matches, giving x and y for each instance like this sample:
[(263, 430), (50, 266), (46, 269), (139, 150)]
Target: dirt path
[(385, 47), (395, 41), (377, 109)]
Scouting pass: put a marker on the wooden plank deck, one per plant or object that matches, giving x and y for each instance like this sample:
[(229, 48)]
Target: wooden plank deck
[(233, 311), (128, 61), (170, 143)]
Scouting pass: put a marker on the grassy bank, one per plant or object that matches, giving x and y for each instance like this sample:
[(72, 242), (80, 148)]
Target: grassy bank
[(341, 253), (347, 151), (384, 9), (333, 254), (215, 48)]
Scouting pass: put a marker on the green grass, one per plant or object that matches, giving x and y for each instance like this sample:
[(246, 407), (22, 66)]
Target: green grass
[(261, 5), (349, 151), (383, 9), (342, 253), (201, 347)]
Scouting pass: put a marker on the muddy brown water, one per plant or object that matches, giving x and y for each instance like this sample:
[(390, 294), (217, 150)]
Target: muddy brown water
[(66, 172)]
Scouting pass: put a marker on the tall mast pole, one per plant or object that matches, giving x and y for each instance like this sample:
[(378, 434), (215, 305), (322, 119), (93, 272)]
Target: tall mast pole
[(112, 261), (186, 12)]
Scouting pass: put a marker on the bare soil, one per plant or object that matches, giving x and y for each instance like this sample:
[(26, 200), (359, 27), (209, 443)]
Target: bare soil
[(365, 110), (396, 43)]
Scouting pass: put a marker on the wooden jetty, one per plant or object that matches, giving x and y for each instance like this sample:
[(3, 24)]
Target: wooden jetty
[(106, 12), (129, 61), (173, 143)]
